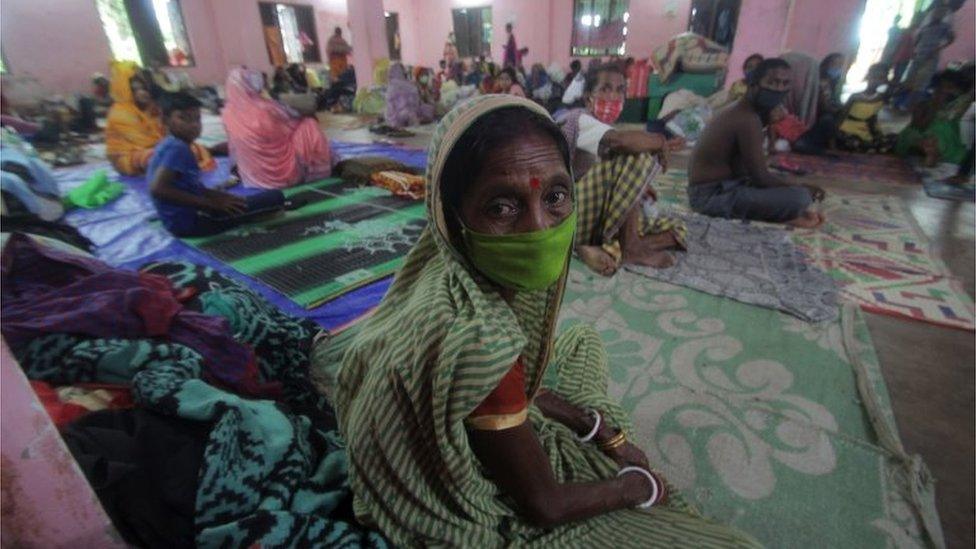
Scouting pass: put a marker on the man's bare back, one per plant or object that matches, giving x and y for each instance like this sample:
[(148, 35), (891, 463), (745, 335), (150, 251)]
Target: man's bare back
[(725, 144)]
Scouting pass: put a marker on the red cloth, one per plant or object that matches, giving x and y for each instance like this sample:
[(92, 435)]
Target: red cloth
[(509, 397), (637, 76), (63, 412), (790, 128)]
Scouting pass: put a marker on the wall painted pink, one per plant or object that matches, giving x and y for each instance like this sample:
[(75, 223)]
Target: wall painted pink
[(544, 26), (965, 25), (64, 64), (761, 29), (226, 33), (369, 30), (816, 35), (83, 48)]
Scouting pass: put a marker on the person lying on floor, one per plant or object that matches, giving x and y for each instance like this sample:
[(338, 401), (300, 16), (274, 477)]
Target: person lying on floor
[(728, 177), (455, 433), (934, 131), (185, 206), (133, 127), (273, 146), (858, 130), (614, 170)]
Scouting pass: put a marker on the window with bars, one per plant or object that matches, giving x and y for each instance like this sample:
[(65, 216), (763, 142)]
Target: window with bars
[(715, 20), (600, 27), (146, 31)]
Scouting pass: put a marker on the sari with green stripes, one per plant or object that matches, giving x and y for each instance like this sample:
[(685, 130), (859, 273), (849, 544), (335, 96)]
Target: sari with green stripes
[(437, 345)]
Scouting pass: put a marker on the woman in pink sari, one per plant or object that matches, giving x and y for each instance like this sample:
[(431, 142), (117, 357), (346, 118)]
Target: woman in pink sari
[(273, 146)]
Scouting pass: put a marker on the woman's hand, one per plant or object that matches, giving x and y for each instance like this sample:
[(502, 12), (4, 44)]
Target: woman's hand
[(628, 454)]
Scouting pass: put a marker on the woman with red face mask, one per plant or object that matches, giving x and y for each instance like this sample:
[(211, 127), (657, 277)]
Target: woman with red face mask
[(617, 216)]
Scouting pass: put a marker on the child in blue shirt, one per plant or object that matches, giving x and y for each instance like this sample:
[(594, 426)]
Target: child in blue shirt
[(185, 206)]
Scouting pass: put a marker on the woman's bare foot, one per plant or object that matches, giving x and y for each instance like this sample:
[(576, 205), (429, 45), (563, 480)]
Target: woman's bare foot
[(808, 220), (598, 260), (660, 241), (657, 259)]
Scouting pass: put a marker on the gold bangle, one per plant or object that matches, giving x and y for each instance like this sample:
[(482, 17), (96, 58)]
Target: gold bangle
[(615, 441)]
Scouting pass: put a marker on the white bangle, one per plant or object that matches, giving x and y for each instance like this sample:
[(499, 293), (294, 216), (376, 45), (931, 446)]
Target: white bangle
[(655, 488), (597, 421)]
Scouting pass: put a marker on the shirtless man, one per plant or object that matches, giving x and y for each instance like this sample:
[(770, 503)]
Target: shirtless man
[(728, 175)]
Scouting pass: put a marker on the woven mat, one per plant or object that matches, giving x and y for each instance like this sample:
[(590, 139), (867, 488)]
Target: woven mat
[(779, 427), (874, 250), (344, 236), (855, 167)]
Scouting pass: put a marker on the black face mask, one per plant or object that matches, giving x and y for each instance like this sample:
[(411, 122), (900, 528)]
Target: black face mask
[(767, 99)]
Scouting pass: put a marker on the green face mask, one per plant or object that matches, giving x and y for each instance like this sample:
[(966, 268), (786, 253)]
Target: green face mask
[(522, 261)]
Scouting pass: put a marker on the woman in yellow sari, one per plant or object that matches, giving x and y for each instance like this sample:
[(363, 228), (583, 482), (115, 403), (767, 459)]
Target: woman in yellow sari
[(134, 127)]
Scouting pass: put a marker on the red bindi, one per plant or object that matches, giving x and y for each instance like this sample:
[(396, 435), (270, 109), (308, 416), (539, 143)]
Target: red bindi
[(534, 182)]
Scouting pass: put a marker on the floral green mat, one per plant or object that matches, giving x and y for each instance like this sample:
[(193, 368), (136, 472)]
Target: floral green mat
[(776, 426)]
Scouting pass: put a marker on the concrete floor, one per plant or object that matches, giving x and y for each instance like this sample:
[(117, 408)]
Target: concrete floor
[(929, 370)]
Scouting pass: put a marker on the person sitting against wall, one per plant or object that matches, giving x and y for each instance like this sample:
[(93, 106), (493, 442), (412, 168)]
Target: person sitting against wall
[(727, 175), (614, 170), (858, 130), (272, 146), (134, 128)]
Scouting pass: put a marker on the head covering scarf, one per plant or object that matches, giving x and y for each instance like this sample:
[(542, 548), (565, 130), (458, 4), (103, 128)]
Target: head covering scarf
[(272, 148), (131, 133), (805, 88), (403, 106), (438, 344)]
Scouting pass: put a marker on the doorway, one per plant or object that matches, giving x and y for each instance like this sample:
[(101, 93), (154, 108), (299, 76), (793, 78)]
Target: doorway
[(393, 34), (472, 31), (879, 15)]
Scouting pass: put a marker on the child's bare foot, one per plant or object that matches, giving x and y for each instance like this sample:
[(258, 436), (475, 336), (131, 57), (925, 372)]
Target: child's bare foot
[(598, 260), (807, 220)]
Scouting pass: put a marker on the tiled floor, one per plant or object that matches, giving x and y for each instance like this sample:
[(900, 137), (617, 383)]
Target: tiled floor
[(929, 370)]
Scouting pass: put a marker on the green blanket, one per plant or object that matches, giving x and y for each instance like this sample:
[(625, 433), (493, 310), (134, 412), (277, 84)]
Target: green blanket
[(343, 236), (778, 427)]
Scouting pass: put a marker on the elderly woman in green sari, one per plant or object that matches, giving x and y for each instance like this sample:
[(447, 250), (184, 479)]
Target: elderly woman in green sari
[(468, 422)]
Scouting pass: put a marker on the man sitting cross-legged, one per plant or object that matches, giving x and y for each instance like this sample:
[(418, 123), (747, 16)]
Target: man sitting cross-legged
[(728, 176)]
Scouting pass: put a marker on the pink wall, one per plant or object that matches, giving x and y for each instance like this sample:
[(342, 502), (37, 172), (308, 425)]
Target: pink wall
[(813, 34), (761, 29), (369, 29), (543, 26), (654, 23), (60, 43), (965, 25), (410, 28), (226, 33)]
